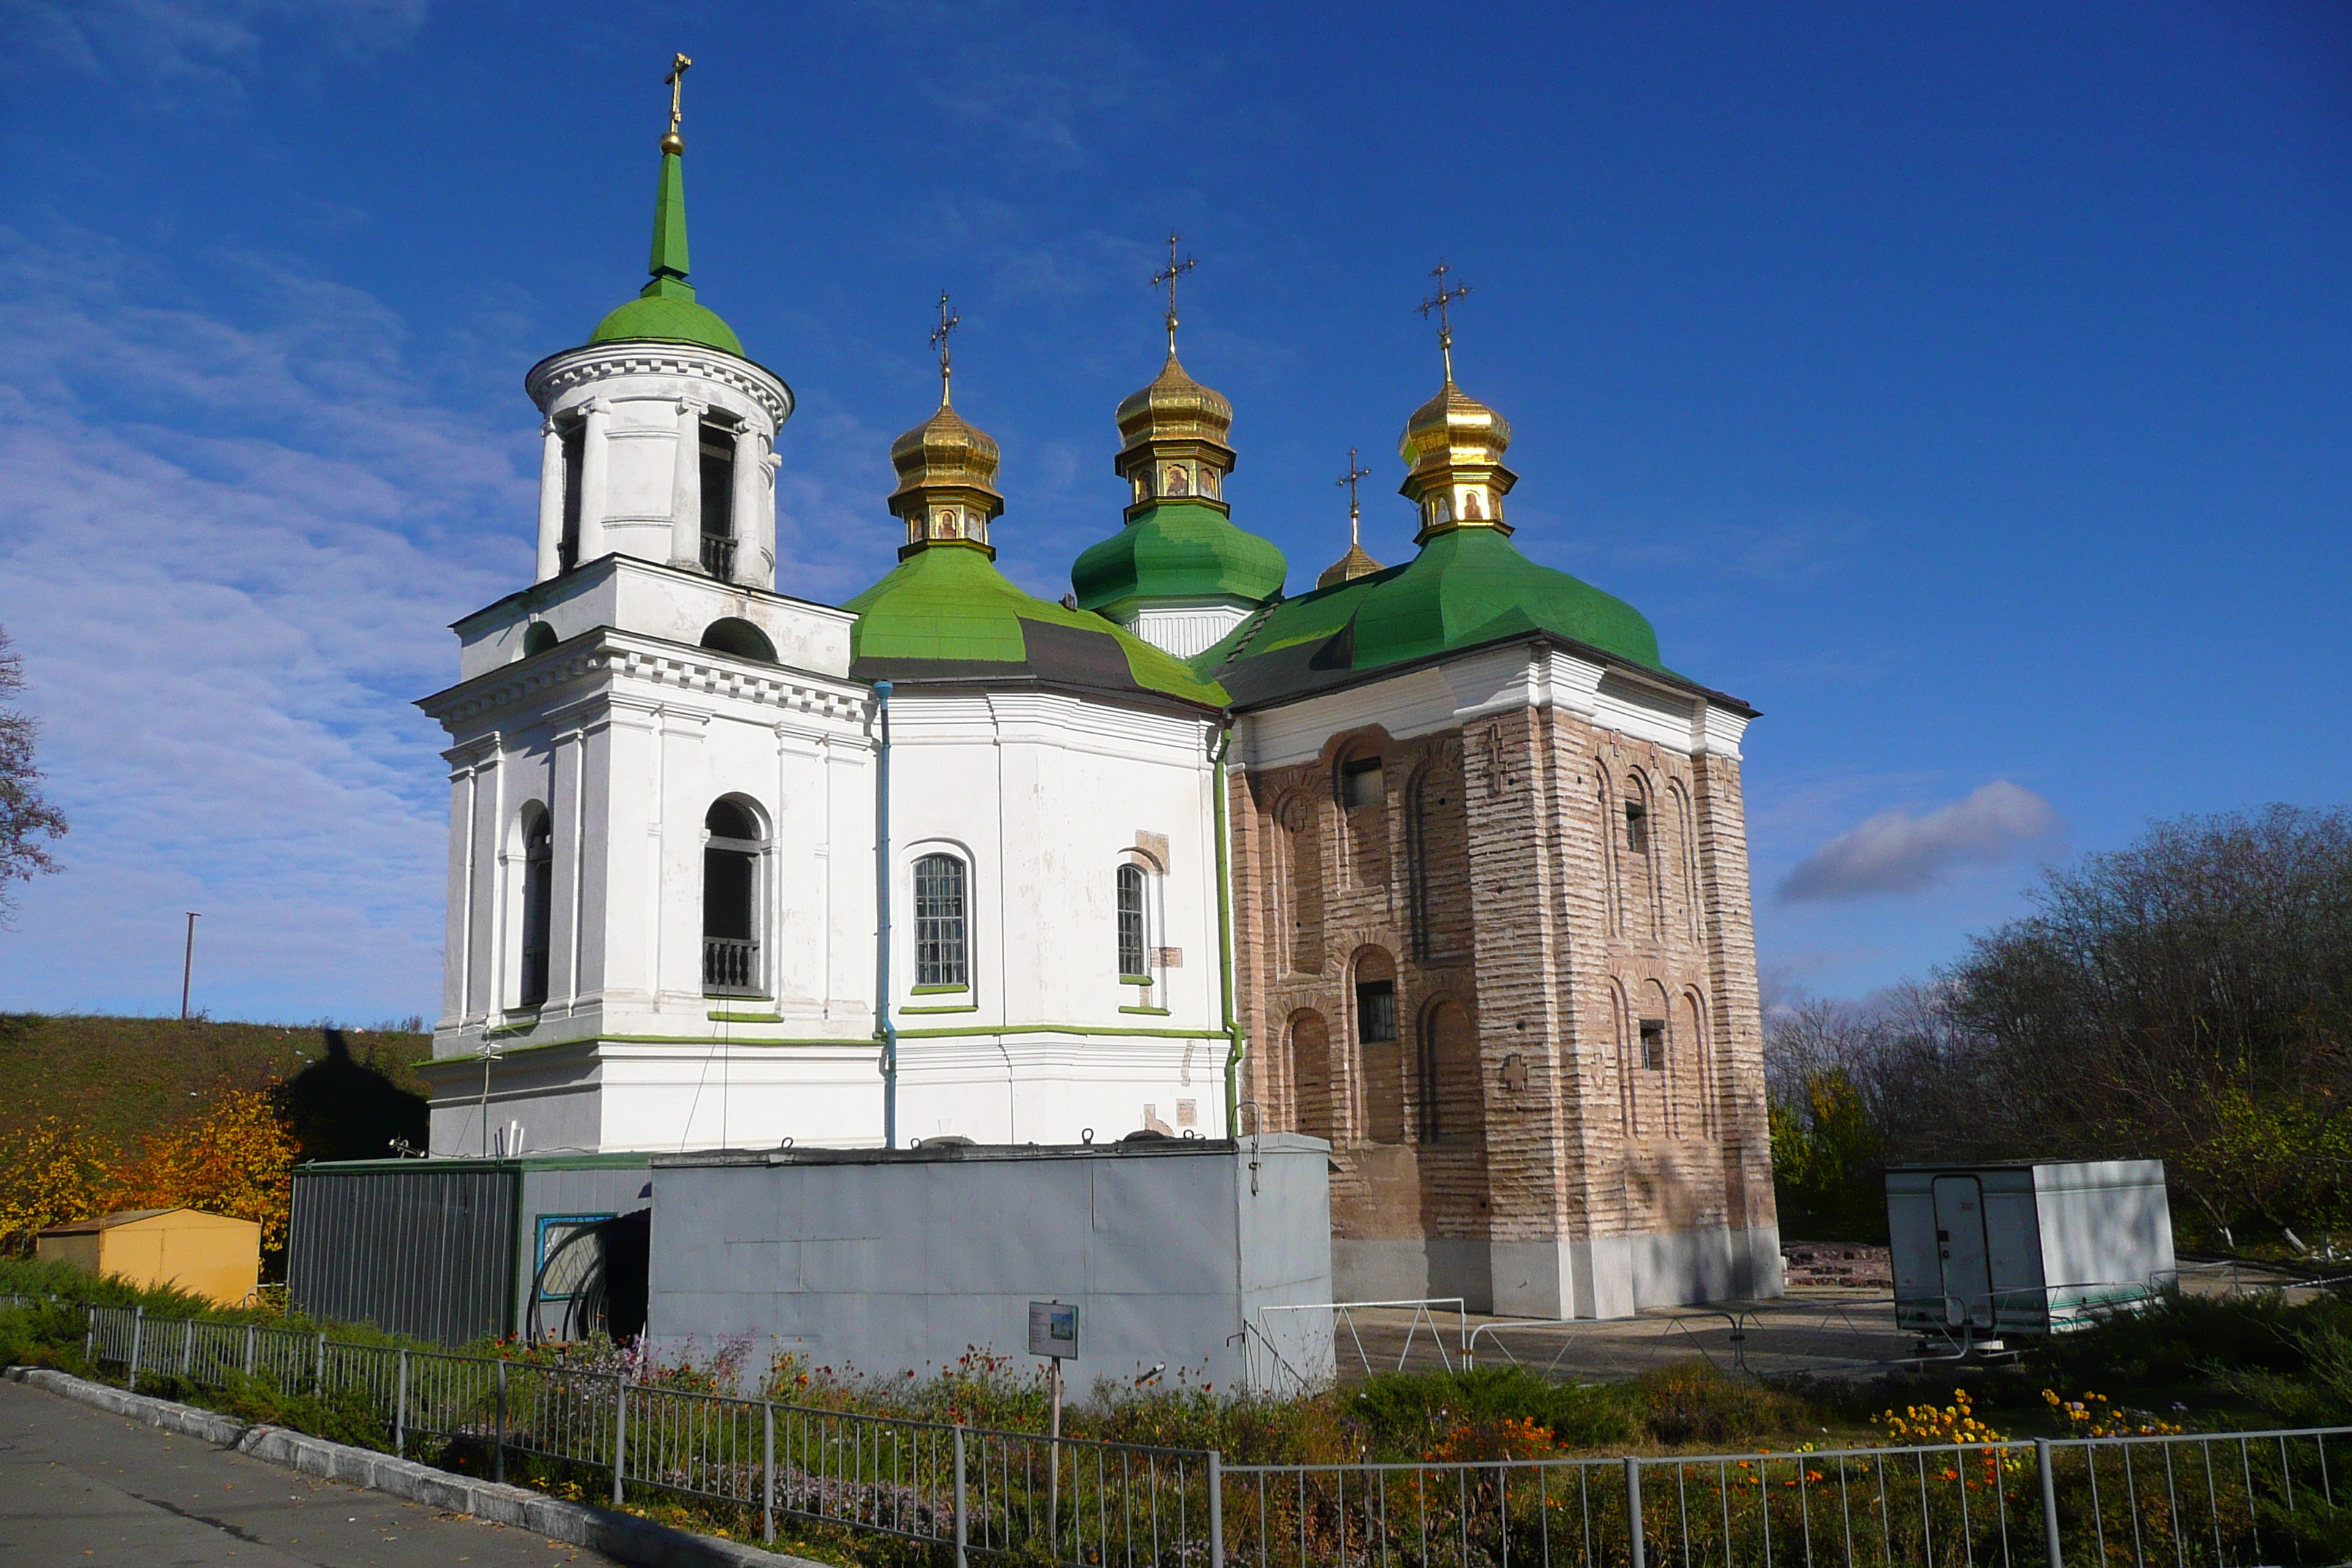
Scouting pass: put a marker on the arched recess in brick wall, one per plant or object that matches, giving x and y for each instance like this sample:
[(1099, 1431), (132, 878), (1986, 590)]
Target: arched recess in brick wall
[(1660, 1079), (1638, 834), (1449, 1093), (1621, 1056), (1686, 857), (1311, 1088), (1359, 788), (1437, 860), (1697, 1042), (1300, 914), (1605, 811), (1380, 1050)]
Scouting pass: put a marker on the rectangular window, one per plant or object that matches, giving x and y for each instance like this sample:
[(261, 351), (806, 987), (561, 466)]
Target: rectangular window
[(568, 552), (561, 1269), (1654, 1045), (1361, 783), (1376, 1011), (719, 500), (940, 923), (1637, 828), (1132, 960)]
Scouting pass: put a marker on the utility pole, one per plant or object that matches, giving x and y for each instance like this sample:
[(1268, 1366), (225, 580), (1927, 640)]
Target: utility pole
[(188, 965)]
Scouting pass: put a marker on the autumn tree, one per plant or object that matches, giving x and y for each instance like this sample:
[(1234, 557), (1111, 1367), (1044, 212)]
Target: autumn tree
[(238, 1159), (52, 1172)]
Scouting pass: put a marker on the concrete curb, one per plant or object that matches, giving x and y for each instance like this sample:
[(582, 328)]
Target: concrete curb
[(632, 1540)]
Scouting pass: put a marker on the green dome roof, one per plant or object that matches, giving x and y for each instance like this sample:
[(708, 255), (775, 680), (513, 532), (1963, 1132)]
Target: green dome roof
[(1178, 549), (664, 311), (948, 614), (1467, 587), (668, 319)]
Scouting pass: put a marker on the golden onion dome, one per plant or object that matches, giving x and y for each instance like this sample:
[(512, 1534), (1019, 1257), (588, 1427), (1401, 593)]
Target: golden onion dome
[(1356, 564), (1453, 425), (945, 450), (1174, 408)]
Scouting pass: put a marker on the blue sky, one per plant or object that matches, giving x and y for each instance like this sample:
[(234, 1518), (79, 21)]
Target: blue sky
[(1966, 387)]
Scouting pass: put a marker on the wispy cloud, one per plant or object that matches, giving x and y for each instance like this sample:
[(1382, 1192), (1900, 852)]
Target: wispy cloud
[(1898, 852), (229, 552), (187, 52)]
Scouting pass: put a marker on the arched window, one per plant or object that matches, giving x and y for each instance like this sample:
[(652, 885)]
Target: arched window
[(730, 883), (1133, 960), (538, 887), (1379, 1054), (942, 938), (717, 451), (538, 639)]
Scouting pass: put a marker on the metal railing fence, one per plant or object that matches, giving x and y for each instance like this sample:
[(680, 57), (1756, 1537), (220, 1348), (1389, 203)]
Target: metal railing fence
[(2192, 1501), (1066, 1500)]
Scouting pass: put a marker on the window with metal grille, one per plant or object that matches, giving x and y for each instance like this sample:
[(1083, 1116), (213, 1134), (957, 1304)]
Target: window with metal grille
[(1637, 828), (1132, 959), (941, 937), (1653, 1044), (1376, 1011)]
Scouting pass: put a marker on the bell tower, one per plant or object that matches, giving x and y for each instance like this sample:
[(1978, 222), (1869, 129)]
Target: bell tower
[(659, 431)]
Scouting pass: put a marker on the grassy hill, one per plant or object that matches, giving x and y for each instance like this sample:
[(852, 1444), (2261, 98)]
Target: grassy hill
[(347, 1091)]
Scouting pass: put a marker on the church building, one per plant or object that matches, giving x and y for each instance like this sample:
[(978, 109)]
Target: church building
[(1437, 862)]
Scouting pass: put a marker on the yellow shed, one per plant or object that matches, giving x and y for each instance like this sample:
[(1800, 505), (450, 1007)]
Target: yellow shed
[(207, 1255)]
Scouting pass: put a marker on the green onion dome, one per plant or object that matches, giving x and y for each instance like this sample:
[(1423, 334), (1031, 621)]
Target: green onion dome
[(1180, 542)]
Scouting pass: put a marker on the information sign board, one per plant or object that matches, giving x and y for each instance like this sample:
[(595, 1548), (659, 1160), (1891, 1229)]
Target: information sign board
[(1053, 1331)]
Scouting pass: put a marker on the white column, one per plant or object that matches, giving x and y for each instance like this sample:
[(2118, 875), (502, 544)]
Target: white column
[(595, 482), (769, 464), (550, 501), (744, 510), (685, 493)]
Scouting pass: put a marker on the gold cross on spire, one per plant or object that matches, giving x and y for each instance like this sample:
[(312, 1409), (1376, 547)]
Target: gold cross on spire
[(1438, 303), (947, 323), (675, 82), (1168, 275), (1355, 534)]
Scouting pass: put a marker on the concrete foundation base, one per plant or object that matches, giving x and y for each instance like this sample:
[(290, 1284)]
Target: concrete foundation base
[(1601, 1277)]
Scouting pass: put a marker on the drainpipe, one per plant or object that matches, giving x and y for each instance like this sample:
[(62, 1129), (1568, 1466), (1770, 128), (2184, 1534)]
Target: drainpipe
[(1236, 1043), (887, 1030)]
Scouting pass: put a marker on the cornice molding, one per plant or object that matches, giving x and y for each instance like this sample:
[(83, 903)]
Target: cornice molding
[(559, 374), (616, 656)]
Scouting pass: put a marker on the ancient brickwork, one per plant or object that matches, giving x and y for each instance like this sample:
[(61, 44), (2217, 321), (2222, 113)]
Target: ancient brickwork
[(1562, 911)]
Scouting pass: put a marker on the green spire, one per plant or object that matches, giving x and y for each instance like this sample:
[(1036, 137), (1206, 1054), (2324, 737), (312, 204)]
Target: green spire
[(668, 262), (664, 309)]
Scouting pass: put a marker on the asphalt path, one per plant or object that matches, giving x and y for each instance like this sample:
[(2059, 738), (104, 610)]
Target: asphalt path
[(82, 1486)]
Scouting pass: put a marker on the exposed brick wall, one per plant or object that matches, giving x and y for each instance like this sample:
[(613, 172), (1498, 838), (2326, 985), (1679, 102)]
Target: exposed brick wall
[(1531, 933)]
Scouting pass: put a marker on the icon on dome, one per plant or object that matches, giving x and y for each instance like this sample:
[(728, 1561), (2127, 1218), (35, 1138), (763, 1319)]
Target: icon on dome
[(1470, 509), (1176, 485), (1209, 482)]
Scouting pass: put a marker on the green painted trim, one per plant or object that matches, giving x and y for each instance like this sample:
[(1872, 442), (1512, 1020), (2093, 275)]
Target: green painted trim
[(967, 1007), (1134, 980), (935, 990), (1160, 1011), (617, 1160), (1062, 1029), (745, 1017)]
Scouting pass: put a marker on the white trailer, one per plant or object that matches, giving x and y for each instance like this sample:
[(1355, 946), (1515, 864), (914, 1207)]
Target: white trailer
[(2025, 1249)]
